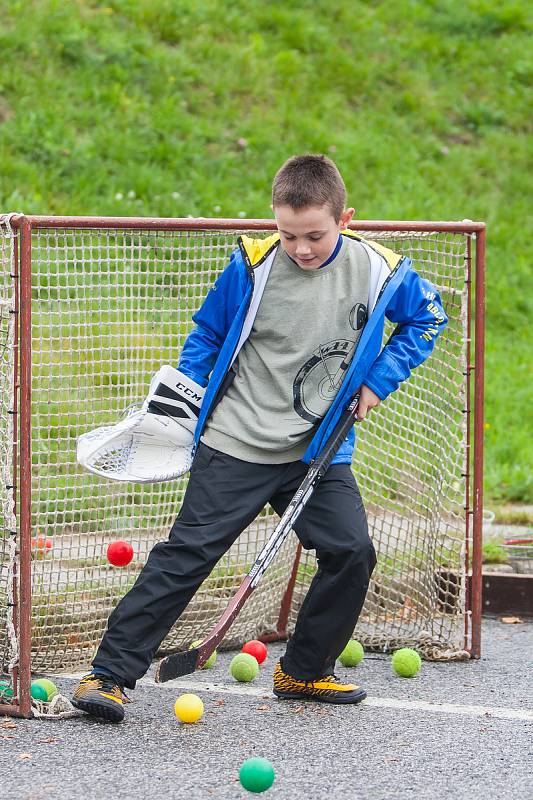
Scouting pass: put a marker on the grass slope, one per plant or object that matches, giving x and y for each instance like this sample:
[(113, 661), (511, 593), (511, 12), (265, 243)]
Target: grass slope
[(171, 107)]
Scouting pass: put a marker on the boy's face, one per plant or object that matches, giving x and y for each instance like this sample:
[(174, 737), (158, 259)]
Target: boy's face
[(309, 235)]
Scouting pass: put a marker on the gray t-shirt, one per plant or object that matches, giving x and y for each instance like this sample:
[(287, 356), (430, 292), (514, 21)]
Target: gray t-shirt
[(292, 365)]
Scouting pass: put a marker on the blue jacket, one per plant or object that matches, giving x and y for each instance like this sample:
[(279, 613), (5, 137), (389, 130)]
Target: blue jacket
[(397, 292)]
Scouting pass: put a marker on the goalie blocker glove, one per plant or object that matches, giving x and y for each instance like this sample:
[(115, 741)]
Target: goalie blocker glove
[(154, 443)]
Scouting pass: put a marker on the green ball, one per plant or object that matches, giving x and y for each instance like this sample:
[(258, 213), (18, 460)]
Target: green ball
[(6, 690), (256, 774), (244, 667), (406, 662), (212, 658), (49, 686), (38, 692), (353, 654)]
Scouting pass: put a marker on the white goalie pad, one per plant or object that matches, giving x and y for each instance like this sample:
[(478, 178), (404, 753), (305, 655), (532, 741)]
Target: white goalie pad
[(154, 443)]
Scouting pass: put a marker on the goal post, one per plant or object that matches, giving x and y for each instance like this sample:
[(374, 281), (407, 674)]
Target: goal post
[(90, 307)]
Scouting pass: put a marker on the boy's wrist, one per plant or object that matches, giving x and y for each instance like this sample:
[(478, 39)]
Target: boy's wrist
[(377, 389)]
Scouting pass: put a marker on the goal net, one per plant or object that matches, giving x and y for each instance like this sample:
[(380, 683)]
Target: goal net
[(112, 300)]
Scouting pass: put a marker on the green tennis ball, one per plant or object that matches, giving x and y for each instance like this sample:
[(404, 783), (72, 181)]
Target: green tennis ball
[(6, 690), (353, 654), (244, 667), (49, 687), (212, 658), (256, 774), (406, 662), (38, 692)]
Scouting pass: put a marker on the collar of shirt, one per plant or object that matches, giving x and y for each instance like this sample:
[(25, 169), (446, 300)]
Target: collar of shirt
[(332, 256)]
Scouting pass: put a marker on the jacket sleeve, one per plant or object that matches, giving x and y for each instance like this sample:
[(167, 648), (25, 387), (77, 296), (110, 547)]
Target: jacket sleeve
[(417, 311), (213, 321)]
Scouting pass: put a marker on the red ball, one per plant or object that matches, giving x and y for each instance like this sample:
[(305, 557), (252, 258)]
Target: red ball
[(256, 649), (40, 546), (119, 553)]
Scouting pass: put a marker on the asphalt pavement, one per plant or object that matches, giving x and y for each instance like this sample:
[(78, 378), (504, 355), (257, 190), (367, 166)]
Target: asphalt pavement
[(456, 730)]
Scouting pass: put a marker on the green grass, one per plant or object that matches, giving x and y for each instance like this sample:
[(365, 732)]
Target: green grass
[(512, 515), (493, 553), (170, 108)]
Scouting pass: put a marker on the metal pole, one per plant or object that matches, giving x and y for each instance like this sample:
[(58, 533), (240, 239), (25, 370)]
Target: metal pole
[(477, 527), (25, 469), (286, 602), (468, 451), (206, 223)]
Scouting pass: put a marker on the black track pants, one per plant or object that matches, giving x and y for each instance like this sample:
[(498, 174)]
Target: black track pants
[(224, 495)]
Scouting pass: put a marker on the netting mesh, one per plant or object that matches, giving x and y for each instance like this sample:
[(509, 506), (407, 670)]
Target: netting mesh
[(410, 464), (8, 532), (109, 307)]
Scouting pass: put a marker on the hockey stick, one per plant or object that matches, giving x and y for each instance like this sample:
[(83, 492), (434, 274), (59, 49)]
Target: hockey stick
[(185, 662)]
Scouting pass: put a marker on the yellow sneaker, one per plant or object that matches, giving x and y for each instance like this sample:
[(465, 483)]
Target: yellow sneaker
[(101, 697), (327, 689)]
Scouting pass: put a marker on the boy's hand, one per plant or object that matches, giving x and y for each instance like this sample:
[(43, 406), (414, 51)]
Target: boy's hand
[(367, 400)]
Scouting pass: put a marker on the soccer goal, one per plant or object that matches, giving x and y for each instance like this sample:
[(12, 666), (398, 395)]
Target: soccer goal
[(89, 310)]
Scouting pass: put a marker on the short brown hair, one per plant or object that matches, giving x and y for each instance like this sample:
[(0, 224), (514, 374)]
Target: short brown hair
[(310, 180)]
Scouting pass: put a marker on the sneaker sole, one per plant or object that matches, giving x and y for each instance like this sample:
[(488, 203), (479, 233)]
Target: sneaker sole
[(99, 711), (338, 700)]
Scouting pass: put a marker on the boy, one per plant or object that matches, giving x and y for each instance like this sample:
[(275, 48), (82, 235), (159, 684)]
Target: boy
[(278, 351)]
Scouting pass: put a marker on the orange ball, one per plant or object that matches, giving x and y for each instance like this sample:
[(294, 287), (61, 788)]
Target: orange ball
[(41, 545), (119, 553)]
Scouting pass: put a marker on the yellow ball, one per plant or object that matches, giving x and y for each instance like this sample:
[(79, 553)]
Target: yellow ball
[(188, 708)]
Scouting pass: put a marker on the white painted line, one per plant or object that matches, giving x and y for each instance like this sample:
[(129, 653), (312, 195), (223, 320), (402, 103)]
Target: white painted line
[(450, 708), (215, 688), (375, 702)]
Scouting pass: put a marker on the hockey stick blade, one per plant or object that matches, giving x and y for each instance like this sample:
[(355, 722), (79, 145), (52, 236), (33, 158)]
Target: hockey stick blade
[(176, 665), (183, 663)]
